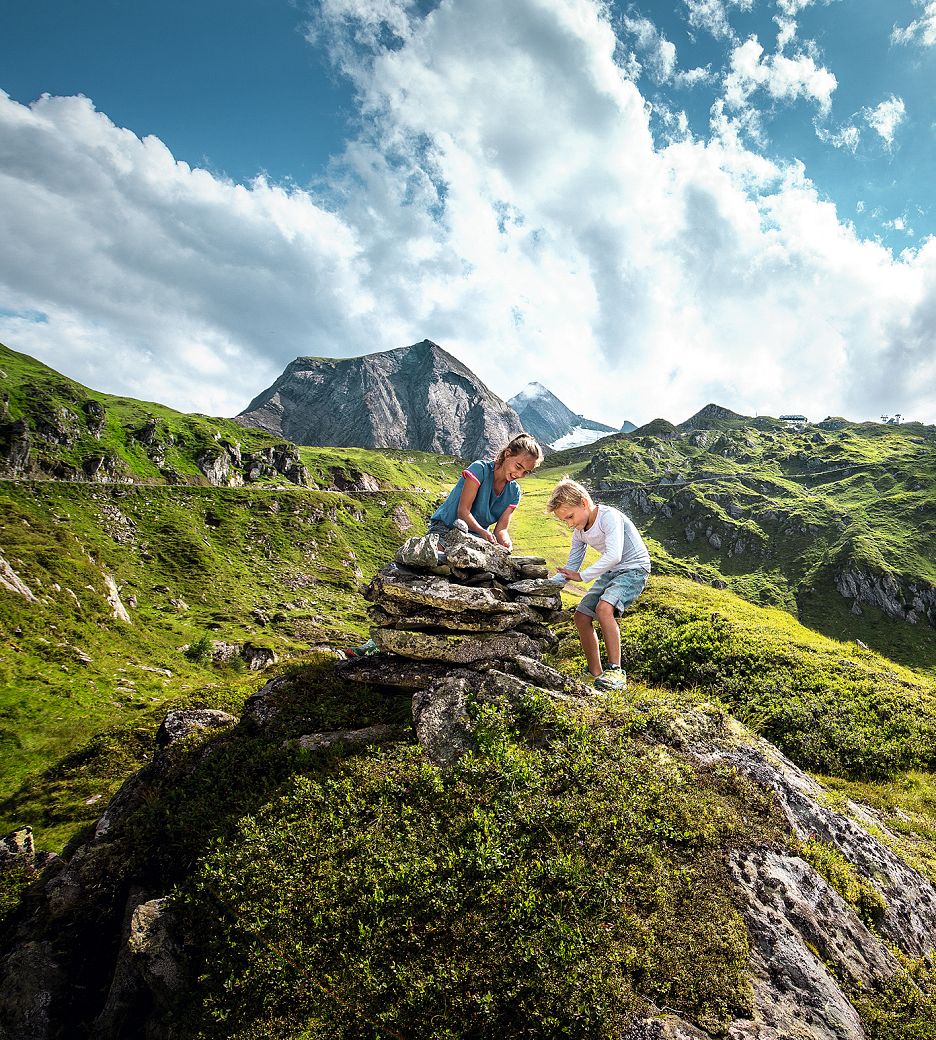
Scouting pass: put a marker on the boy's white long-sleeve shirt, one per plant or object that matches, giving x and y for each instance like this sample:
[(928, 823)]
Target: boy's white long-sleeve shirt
[(616, 538)]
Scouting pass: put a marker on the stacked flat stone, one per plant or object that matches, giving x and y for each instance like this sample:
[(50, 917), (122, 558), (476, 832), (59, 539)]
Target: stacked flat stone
[(456, 619)]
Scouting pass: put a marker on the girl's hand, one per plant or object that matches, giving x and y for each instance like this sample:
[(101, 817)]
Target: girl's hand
[(503, 537), (570, 575), (488, 537)]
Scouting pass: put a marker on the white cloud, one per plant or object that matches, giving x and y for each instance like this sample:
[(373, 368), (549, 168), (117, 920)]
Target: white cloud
[(786, 33), (505, 199), (886, 118), (847, 137), (783, 78), (713, 15), (155, 277), (659, 53), (922, 29)]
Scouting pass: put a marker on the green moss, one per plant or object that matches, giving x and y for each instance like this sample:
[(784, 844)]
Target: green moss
[(833, 708), (905, 1009), (826, 860)]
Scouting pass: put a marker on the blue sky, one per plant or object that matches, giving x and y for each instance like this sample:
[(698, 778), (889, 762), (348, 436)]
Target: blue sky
[(232, 85), (680, 201)]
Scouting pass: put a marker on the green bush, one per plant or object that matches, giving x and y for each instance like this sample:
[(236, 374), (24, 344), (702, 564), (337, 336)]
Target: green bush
[(199, 651), (906, 1007), (830, 710)]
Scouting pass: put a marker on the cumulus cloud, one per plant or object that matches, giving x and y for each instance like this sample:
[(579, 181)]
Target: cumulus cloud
[(921, 30), (886, 118), (783, 78), (156, 277), (505, 198)]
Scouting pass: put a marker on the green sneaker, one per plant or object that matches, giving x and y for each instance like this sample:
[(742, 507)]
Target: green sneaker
[(612, 678)]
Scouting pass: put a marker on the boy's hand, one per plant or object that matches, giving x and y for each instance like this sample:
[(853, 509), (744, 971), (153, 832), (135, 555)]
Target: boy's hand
[(569, 575)]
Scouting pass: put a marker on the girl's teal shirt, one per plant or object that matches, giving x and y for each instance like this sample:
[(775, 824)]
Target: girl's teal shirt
[(487, 507)]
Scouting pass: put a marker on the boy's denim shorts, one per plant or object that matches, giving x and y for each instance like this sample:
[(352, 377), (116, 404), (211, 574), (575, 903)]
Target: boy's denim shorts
[(619, 588)]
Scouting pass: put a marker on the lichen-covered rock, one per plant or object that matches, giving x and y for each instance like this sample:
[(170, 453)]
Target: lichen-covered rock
[(379, 734), (150, 963), (258, 657), (666, 1027), (473, 554), (909, 918), (440, 717), (455, 648), (32, 984), (389, 615), (17, 845), (429, 591), (184, 721), (806, 946)]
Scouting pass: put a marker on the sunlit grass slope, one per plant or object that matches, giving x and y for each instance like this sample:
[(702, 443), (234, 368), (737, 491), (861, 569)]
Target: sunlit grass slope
[(275, 567), (778, 514)]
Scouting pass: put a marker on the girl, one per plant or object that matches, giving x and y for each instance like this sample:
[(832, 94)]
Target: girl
[(487, 493)]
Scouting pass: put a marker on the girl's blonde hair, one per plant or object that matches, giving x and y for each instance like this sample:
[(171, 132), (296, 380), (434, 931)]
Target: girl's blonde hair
[(522, 444), (568, 492)]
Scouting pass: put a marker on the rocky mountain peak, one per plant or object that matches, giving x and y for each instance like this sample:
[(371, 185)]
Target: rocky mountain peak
[(551, 421), (416, 397), (710, 415)]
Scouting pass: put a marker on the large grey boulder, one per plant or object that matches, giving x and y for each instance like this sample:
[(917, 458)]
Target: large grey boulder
[(909, 917)]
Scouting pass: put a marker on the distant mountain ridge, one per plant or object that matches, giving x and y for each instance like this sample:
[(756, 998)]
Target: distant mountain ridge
[(552, 422), (418, 397)]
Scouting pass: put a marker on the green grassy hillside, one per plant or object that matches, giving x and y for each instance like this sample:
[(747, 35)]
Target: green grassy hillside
[(275, 568), (570, 873), (779, 515), (73, 429)]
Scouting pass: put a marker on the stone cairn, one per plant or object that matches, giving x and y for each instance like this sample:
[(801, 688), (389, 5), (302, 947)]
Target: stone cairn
[(459, 620)]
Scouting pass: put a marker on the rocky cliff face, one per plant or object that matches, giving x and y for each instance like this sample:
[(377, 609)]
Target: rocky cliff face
[(549, 420), (417, 397)]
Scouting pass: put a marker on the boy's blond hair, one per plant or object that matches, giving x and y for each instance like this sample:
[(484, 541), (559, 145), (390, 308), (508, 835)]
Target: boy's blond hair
[(568, 492)]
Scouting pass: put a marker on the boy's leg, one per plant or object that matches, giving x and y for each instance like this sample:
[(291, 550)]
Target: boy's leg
[(589, 641), (607, 619)]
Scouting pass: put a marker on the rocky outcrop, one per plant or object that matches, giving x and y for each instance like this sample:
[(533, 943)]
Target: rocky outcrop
[(810, 951), (281, 460), (900, 597), (112, 595), (57, 425), (417, 397), (95, 416), (12, 582), (15, 445)]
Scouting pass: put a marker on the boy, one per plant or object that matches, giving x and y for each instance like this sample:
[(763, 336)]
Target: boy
[(621, 571)]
